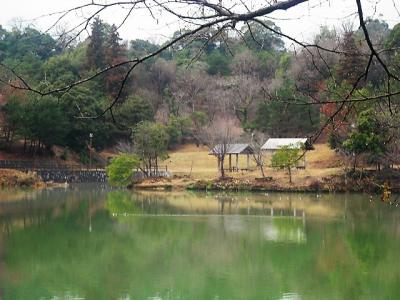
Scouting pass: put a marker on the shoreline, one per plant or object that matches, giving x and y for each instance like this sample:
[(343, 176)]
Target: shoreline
[(373, 183)]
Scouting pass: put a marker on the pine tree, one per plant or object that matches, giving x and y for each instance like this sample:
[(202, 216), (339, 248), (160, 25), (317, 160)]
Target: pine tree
[(115, 53), (351, 62), (95, 51)]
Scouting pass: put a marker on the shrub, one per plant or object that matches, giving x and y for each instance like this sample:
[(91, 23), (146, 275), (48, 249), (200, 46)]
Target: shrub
[(120, 171)]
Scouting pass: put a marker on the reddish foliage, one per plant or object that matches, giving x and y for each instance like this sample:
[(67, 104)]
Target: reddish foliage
[(340, 122)]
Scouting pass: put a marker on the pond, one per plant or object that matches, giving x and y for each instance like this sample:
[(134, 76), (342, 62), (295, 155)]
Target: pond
[(93, 242)]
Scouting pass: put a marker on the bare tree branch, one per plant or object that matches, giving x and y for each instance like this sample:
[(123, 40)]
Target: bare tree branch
[(370, 45)]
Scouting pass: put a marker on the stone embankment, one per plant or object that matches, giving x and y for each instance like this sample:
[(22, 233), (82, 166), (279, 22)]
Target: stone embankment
[(73, 176), (53, 171)]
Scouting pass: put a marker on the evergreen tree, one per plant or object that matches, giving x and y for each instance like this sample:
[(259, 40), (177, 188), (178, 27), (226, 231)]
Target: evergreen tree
[(95, 50), (259, 38), (115, 53), (133, 111), (368, 137), (218, 63), (150, 142), (280, 118), (351, 64)]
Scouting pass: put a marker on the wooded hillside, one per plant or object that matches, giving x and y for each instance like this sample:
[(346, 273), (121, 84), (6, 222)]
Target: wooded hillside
[(252, 81)]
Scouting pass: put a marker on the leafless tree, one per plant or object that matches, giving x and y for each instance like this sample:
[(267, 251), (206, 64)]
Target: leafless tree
[(218, 99), (189, 90), (163, 73), (219, 136), (245, 63), (257, 140), (391, 124), (124, 147), (246, 89)]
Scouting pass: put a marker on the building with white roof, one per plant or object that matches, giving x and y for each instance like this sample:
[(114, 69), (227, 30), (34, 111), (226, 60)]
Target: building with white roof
[(277, 143), (274, 144)]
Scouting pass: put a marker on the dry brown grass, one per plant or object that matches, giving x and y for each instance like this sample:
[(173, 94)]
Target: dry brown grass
[(323, 157), (190, 159), (196, 160), (14, 178)]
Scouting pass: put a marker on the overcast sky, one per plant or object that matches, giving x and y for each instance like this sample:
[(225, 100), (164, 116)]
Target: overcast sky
[(301, 22)]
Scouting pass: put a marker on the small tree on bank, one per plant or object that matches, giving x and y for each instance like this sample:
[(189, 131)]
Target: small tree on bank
[(286, 157), (257, 141), (120, 171), (220, 151), (368, 137), (150, 144)]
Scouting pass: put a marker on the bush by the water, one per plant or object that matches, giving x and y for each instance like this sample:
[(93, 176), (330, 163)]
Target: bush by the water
[(120, 171)]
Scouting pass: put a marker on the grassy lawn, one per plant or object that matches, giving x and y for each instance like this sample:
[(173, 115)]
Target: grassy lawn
[(190, 159)]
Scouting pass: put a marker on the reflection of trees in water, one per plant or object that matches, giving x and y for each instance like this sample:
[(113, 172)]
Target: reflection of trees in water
[(120, 202), (13, 219), (200, 257), (225, 255), (273, 204), (34, 208), (223, 200), (268, 229), (49, 204)]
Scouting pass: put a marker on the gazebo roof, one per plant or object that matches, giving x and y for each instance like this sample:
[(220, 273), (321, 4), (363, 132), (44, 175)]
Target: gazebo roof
[(277, 143), (233, 149)]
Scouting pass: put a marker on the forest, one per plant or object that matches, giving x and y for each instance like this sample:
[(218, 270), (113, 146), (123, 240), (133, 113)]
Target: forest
[(251, 80)]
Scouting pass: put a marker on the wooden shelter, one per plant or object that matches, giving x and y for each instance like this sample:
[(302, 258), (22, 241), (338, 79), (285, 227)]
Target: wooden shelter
[(236, 150)]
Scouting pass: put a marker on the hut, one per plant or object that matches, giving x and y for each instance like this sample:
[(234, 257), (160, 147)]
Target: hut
[(274, 144), (236, 150)]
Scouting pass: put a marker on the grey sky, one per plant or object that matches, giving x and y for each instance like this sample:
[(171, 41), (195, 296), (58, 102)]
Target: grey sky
[(301, 22)]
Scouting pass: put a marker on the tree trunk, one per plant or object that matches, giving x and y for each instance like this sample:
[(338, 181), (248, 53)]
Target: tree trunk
[(355, 163), (8, 138), (149, 171), (290, 174), (222, 167), (34, 148), (262, 171)]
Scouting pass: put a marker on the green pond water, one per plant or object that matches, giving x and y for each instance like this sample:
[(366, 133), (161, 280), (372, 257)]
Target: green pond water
[(91, 242)]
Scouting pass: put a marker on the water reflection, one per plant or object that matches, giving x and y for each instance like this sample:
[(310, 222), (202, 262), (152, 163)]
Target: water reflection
[(90, 243), (290, 296), (284, 231), (26, 208), (184, 203)]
